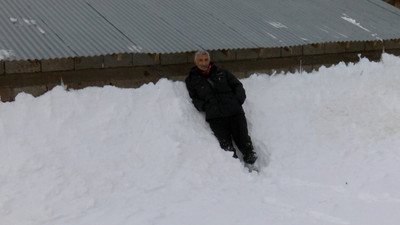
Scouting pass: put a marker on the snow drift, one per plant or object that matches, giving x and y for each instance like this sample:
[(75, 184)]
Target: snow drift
[(328, 143)]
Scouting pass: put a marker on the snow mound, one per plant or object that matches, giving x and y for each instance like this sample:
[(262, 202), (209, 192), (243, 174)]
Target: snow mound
[(328, 143)]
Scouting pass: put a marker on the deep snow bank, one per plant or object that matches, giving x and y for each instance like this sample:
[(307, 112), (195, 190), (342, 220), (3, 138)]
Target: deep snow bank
[(328, 144)]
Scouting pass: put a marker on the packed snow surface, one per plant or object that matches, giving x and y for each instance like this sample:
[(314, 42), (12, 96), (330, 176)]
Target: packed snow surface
[(328, 142)]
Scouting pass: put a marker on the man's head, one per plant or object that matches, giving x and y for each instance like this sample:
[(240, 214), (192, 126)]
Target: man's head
[(202, 60)]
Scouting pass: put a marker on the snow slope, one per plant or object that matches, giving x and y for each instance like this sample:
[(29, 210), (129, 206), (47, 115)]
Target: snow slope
[(328, 143)]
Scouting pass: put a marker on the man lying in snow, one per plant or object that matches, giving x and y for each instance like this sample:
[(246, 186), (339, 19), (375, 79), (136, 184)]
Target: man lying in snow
[(220, 95)]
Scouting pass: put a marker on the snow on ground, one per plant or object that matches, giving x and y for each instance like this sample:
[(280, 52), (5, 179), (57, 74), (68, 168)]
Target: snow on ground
[(4, 54), (328, 143)]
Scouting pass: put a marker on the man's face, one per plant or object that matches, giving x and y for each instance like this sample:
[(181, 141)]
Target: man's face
[(202, 61)]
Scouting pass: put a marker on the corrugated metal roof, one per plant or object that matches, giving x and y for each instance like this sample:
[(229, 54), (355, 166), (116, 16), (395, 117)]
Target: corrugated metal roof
[(47, 29)]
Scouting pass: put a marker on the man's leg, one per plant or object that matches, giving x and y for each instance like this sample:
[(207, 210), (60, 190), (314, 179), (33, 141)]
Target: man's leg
[(242, 139), (222, 131)]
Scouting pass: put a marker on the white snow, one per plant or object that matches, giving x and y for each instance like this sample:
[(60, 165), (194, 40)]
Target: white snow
[(328, 143), (13, 20), (41, 30), (4, 54), (27, 22), (135, 48), (271, 35), (277, 25), (353, 21)]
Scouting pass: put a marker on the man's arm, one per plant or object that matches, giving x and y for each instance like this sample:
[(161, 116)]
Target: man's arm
[(237, 87), (197, 102)]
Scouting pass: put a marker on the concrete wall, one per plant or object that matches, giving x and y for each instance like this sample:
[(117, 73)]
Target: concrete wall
[(132, 70), (2, 70)]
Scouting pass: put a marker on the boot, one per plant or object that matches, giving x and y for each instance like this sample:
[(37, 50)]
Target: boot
[(250, 158)]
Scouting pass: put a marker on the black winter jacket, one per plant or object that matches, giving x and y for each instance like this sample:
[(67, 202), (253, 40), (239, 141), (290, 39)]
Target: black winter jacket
[(218, 94)]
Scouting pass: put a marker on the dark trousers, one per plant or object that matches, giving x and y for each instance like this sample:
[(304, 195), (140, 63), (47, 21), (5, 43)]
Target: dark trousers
[(233, 128)]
